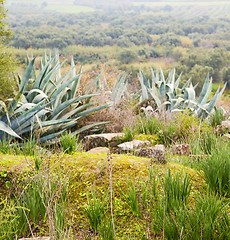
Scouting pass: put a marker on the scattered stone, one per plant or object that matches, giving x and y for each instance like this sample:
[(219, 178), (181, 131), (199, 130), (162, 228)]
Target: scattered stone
[(219, 129), (226, 125), (181, 149), (157, 152), (227, 136), (99, 150), (102, 140), (144, 152), (132, 146)]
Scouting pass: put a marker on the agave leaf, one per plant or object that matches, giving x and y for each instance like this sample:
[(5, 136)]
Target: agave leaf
[(178, 81), (24, 107), (153, 76), (91, 110), (27, 115), (204, 99), (94, 82), (77, 110), (76, 83), (221, 92), (85, 128), (145, 80), (215, 98), (162, 90), (157, 75), (26, 76), (72, 69), (60, 89), (51, 73), (55, 122), (176, 103), (186, 84), (118, 89), (144, 88), (136, 95), (51, 88), (162, 76), (40, 97), (51, 136), (189, 93), (8, 130), (31, 121), (3, 105), (42, 74), (155, 97), (67, 103)]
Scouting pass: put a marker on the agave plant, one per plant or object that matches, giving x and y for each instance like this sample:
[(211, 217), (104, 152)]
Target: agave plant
[(48, 102), (118, 92), (169, 96)]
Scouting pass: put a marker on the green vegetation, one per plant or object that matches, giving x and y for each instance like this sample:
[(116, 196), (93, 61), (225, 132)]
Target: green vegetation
[(7, 61), (49, 186)]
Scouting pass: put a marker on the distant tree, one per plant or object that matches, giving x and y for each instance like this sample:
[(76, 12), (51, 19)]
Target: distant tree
[(7, 61), (127, 56), (226, 76)]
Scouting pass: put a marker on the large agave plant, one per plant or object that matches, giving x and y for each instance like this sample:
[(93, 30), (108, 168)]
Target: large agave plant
[(169, 96), (48, 103)]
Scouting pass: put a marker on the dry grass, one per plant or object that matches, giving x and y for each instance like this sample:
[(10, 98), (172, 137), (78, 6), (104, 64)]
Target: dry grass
[(119, 115)]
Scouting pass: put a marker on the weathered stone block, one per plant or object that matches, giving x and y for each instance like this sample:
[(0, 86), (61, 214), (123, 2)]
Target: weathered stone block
[(132, 146), (102, 140), (181, 149)]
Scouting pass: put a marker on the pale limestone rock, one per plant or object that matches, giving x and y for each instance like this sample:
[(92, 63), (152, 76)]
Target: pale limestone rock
[(226, 125), (99, 150), (227, 136), (133, 145)]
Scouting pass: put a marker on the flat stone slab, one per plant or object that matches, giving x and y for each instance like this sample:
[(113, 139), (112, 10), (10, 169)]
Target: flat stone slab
[(133, 145), (99, 150), (102, 140)]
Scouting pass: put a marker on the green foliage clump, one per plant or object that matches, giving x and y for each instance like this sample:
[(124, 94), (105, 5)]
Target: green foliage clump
[(216, 169), (8, 219), (69, 143), (95, 210), (153, 138), (176, 189)]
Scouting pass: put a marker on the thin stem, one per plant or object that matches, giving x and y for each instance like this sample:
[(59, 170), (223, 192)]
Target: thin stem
[(111, 192)]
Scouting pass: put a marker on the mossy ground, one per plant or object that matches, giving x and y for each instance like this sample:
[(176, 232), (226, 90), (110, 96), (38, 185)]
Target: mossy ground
[(90, 172)]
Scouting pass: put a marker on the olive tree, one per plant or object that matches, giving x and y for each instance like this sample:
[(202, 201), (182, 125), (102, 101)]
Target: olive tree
[(7, 61)]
